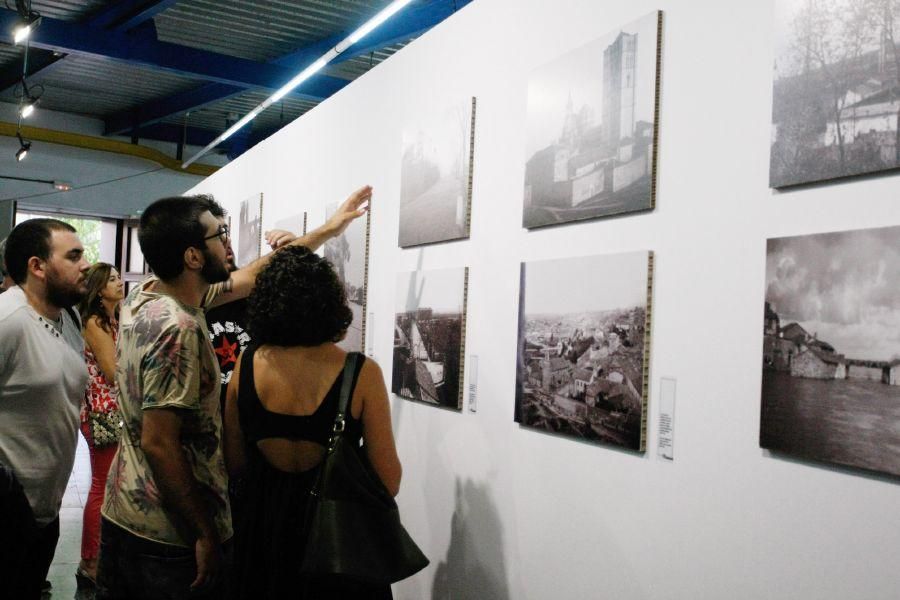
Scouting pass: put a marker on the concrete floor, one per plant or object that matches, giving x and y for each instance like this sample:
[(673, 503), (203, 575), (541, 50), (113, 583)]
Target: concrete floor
[(68, 550)]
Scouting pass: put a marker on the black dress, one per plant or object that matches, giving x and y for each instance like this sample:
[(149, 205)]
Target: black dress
[(269, 537)]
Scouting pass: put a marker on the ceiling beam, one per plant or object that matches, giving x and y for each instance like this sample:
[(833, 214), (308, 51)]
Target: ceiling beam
[(128, 14), (119, 16), (89, 142), (38, 60), (403, 26), (140, 47)]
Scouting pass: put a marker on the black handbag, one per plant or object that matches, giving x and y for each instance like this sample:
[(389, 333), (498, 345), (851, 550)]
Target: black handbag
[(352, 522)]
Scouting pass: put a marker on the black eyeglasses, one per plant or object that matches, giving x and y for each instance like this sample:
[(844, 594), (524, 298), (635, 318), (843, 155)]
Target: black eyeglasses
[(221, 233)]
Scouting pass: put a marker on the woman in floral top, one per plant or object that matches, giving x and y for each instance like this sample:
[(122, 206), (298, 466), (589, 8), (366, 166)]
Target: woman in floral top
[(99, 316)]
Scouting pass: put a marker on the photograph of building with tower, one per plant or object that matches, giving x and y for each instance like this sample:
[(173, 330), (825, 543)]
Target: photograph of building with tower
[(591, 128)]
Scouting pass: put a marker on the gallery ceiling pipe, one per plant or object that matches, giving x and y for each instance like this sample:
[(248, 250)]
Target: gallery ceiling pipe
[(89, 142)]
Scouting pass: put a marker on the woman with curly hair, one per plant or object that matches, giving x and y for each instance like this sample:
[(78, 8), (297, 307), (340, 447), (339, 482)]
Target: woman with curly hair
[(99, 317), (279, 411)]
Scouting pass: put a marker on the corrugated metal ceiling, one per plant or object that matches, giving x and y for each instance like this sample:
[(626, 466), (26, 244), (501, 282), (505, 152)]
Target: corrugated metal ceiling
[(262, 31), (96, 86)]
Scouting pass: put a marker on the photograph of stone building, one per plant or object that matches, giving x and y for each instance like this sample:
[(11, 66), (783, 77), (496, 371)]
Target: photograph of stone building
[(429, 336), (583, 349), (591, 128), (836, 94), (435, 176), (831, 349), (249, 230), (349, 254)]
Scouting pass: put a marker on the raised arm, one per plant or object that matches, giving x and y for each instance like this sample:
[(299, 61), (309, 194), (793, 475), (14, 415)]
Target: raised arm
[(377, 431), (243, 280)]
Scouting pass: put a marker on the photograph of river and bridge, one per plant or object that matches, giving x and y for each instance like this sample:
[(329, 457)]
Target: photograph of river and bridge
[(831, 348), (582, 348)]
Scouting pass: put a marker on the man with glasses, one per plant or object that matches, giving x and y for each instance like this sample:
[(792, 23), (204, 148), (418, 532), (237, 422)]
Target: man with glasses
[(166, 519)]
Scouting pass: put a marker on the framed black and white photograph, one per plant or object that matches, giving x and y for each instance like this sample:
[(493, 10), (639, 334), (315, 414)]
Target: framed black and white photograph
[(249, 230), (429, 336), (836, 93), (349, 254), (296, 224), (831, 348), (591, 128), (583, 347), (435, 176)]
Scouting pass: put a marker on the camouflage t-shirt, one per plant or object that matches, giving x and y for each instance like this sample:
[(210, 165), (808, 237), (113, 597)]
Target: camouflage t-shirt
[(165, 360)]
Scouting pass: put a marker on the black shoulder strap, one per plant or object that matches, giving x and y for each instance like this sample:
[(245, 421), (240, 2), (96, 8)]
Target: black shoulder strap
[(347, 383), (344, 400), (74, 315)]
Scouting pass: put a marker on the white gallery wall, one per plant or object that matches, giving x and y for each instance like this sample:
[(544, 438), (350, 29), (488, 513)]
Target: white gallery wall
[(508, 512)]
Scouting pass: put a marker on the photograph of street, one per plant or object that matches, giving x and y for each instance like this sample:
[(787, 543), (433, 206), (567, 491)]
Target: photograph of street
[(836, 92), (434, 176), (831, 348), (591, 128), (583, 346), (429, 334), (349, 254), (249, 230)]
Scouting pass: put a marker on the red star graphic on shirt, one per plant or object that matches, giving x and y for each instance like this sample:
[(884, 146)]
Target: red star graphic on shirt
[(226, 352)]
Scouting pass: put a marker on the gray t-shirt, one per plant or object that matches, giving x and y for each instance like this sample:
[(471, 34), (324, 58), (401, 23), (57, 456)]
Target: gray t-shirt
[(42, 380)]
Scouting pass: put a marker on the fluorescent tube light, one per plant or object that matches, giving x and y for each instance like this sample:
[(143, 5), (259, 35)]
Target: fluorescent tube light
[(27, 109), (377, 20), (367, 27)]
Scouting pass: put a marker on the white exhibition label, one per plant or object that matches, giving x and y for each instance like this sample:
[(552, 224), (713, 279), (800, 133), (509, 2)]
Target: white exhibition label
[(666, 446), (473, 381)]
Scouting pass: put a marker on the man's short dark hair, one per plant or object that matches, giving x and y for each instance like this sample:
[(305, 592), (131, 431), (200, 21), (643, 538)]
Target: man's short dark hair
[(30, 238), (298, 301), (215, 208), (170, 226)]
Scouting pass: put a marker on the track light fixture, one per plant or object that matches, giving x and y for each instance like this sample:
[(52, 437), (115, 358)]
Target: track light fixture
[(28, 21), (24, 147), (23, 30), (29, 98), (27, 109)]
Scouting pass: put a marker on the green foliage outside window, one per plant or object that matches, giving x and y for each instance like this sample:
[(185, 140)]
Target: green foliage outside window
[(88, 232)]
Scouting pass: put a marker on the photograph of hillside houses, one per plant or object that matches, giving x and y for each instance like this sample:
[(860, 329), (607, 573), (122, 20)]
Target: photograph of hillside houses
[(429, 336), (434, 176), (591, 128), (349, 254), (249, 230), (836, 94), (583, 349), (831, 348)]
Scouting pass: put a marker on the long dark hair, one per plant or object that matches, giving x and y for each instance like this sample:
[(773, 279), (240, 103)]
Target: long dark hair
[(97, 276)]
